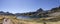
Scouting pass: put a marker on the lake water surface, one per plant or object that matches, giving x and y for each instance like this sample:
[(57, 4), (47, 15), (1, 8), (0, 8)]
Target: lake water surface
[(23, 17)]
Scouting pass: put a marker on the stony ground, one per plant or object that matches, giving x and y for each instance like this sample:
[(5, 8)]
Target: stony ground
[(18, 21)]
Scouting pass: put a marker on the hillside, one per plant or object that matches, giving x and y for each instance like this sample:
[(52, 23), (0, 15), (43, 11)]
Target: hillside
[(38, 17)]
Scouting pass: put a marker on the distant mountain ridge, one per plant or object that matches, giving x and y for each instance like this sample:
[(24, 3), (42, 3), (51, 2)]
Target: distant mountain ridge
[(39, 12), (5, 13)]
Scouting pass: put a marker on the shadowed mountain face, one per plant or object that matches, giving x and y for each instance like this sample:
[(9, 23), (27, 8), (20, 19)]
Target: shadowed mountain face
[(36, 13)]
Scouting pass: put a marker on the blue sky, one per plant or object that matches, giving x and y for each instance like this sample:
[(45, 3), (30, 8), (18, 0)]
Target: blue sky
[(21, 6)]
